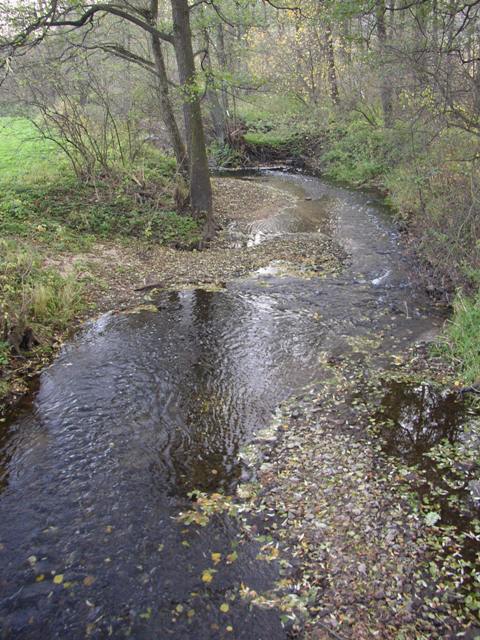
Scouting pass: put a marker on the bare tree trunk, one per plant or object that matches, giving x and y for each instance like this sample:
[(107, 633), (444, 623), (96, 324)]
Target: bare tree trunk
[(332, 71), (168, 115), (223, 62), (200, 187), (386, 89), (217, 112)]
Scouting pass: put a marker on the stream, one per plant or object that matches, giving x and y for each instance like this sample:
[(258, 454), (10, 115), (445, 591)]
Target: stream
[(142, 408)]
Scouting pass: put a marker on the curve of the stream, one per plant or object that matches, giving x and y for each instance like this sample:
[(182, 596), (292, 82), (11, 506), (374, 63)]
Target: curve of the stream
[(141, 408)]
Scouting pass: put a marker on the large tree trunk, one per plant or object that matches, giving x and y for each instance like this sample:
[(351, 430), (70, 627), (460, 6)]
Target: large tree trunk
[(200, 187), (166, 107), (386, 89)]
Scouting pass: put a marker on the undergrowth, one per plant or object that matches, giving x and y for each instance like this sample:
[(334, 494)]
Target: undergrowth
[(33, 297), (462, 337), (41, 200)]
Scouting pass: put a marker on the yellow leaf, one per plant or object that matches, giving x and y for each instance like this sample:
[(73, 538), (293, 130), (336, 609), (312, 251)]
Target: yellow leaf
[(88, 581), (179, 608), (207, 576), (216, 557), (191, 613), (224, 607), (40, 578), (58, 579), (232, 557)]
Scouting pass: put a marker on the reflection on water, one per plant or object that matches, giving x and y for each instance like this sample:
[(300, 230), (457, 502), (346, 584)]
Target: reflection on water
[(420, 417), (141, 408)]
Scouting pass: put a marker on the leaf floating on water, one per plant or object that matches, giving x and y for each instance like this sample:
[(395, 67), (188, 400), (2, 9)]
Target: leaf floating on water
[(224, 608), (179, 608), (232, 557), (40, 578), (207, 576), (58, 579), (146, 615), (108, 529), (32, 560), (431, 518), (216, 557), (88, 581), (191, 613)]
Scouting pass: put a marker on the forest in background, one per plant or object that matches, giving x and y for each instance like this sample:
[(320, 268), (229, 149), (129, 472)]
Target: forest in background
[(114, 113)]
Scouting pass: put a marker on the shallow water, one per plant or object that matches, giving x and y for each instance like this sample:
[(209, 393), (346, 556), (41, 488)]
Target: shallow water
[(141, 408)]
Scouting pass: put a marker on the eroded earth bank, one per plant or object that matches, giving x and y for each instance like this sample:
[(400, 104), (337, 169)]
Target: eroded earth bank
[(252, 445)]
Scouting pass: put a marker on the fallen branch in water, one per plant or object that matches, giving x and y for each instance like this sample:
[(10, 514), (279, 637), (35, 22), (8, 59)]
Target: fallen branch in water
[(149, 287)]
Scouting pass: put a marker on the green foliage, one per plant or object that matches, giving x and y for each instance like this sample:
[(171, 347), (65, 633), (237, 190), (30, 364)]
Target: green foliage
[(359, 153), (71, 216), (269, 111), (278, 123), (462, 339), (25, 155), (33, 294), (224, 156), (436, 187), (59, 211)]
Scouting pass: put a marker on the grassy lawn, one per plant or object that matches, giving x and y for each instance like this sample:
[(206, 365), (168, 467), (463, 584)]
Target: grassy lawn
[(25, 156)]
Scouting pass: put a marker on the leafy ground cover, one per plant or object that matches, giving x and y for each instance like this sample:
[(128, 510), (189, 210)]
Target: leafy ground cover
[(370, 544)]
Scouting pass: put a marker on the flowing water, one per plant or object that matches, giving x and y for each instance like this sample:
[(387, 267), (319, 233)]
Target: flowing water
[(141, 408)]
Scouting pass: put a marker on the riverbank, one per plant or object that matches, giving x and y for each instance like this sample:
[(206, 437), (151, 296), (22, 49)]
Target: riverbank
[(383, 543)]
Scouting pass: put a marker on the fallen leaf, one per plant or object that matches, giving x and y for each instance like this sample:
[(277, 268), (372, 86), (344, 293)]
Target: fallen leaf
[(207, 576)]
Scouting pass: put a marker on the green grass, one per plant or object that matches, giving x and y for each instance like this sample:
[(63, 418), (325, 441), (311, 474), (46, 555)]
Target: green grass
[(275, 139), (25, 156), (41, 200), (462, 338), (32, 294)]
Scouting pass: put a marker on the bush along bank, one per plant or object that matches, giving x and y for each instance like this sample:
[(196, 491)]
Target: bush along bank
[(432, 185)]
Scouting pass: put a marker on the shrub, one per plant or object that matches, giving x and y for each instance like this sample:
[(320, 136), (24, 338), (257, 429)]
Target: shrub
[(462, 339), (359, 153), (32, 294)]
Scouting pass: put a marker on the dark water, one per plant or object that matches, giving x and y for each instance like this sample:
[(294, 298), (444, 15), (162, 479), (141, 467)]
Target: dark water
[(142, 408)]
